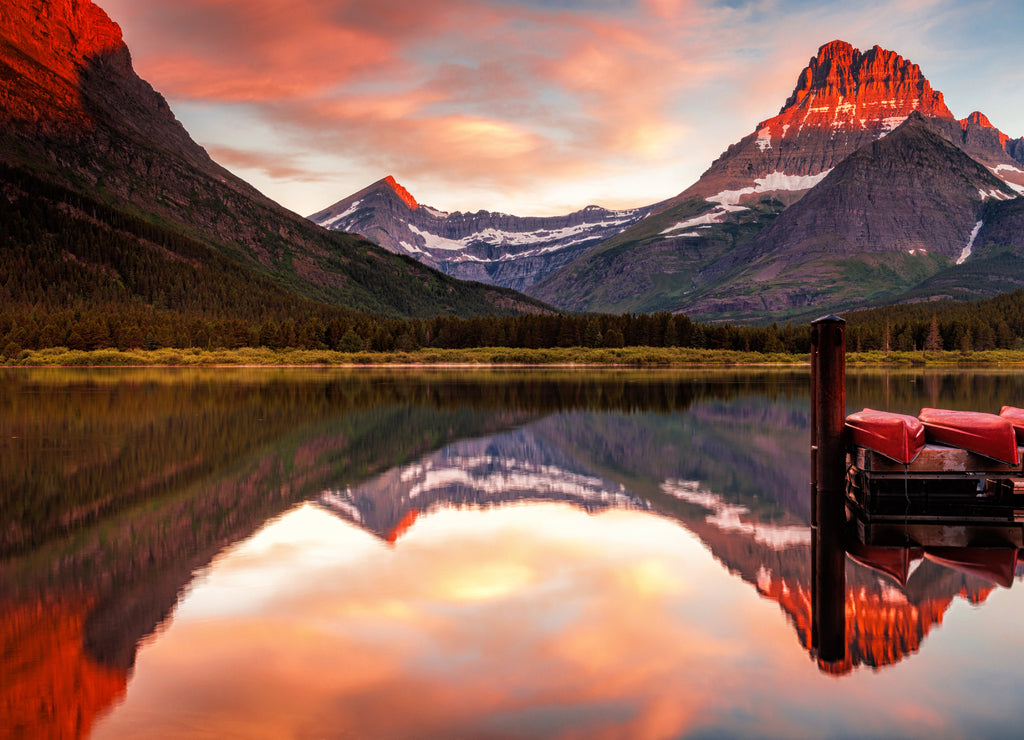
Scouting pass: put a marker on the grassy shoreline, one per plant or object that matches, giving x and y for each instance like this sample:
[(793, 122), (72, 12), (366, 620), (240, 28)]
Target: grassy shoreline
[(486, 357)]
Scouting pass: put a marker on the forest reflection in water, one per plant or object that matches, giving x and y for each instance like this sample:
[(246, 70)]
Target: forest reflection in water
[(491, 553)]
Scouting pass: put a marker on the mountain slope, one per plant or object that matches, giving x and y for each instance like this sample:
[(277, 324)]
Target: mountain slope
[(74, 113), (694, 253), (887, 217), (497, 248)]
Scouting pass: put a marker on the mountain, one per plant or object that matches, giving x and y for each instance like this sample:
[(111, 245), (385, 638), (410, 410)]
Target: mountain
[(75, 117), (894, 212), (810, 213), (511, 251)]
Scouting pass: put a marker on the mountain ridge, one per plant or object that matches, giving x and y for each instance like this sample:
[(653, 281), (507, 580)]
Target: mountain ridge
[(496, 248), (702, 242)]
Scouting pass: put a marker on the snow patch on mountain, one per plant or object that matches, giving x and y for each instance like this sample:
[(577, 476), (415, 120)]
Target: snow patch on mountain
[(1012, 172), (995, 194), (970, 244), (335, 219), (554, 239), (891, 124), (727, 201), (728, 517), (772, 182), (714, 216)]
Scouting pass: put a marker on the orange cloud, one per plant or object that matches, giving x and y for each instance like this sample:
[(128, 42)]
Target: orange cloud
[(482, 92), (275, 165), (628, 100)]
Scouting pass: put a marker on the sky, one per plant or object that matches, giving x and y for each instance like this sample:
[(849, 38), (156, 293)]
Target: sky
[(530, 107)]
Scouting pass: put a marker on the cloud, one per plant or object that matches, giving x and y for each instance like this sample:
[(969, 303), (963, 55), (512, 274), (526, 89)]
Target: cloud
[(511, 102), (495, 93), (272, 164)]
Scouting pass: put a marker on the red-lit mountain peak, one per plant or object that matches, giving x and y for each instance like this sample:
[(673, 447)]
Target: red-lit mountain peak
[(843, 99), (981, 120), (61, 34), (46, 46), (402, 193), (844, 89)]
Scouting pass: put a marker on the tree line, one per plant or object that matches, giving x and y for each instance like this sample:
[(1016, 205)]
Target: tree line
[(79, 274)]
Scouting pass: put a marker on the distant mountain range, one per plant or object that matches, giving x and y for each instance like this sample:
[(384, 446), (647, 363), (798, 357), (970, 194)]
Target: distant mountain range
[(497, 248), (863, 190)]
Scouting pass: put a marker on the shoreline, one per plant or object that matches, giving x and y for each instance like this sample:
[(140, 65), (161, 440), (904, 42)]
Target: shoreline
[(565, 358)]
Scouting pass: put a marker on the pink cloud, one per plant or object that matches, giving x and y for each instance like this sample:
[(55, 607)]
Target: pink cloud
[(278, 166), (490, 93)]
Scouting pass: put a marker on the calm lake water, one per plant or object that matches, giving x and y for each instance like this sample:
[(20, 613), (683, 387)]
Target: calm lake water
[(546, 554)]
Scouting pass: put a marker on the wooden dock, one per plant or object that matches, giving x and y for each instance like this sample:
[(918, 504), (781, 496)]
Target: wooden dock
[(946, 497), (947, 503)]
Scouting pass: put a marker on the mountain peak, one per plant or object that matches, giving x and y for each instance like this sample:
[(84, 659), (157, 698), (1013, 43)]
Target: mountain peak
[(64, 35), (401, 192), (49, 48), (851, 88), (980, 120), (977, 118), (843, 99)]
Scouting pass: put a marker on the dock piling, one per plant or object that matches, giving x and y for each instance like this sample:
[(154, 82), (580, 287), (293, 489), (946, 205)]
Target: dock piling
[(828, 483)]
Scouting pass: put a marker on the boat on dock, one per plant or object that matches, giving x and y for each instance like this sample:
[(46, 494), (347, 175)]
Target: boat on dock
[(997, 565), (897, 562), (961, 486), (1016, 417), (899, 437), (983, 434)]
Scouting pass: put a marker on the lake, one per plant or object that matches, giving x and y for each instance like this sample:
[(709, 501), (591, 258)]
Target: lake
[(304, 553)]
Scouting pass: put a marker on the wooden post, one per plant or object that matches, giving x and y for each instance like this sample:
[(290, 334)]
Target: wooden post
[(814, 426), (828, 507), (828, 411)]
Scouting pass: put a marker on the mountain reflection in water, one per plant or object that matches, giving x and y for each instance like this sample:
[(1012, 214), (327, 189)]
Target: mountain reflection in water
[(151, 511)]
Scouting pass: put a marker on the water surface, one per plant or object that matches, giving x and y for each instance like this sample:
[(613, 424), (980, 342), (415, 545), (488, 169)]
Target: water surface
[(305, 553)]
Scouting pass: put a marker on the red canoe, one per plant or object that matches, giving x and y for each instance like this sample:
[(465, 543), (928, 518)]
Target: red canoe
[(895, 562), (984, 434), (997, 565), (897, 436), (1016, 417)]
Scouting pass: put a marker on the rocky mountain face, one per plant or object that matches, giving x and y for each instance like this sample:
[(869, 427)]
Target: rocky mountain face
[(862, 189), (1015, 148), (894, 212), (496, 248), (842, 100), (74, 113)]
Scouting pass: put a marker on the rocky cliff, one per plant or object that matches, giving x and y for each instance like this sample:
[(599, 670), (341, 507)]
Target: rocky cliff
[(843, 99)]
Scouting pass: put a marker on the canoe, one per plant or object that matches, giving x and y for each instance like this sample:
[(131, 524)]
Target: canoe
[(1016, 417), (997, 565), (898, 437), (895, 562), (983, 434)]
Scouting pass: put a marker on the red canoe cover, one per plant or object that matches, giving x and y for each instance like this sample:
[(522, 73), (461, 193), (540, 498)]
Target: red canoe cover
[(984, 434), (897, 436), (998, 565), (1016, 417)]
